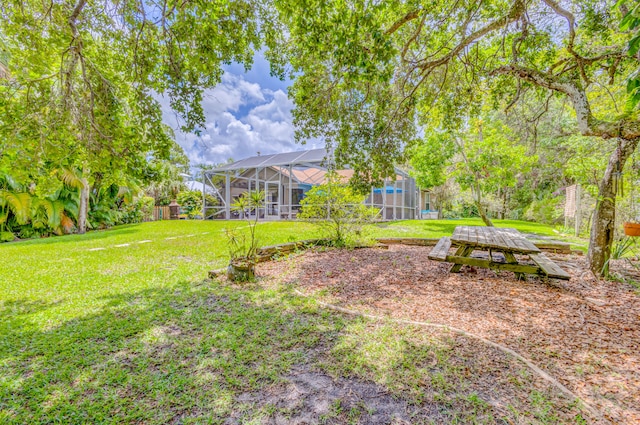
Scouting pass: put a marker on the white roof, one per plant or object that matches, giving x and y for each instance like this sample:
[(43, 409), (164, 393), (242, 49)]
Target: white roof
[(194, 185)]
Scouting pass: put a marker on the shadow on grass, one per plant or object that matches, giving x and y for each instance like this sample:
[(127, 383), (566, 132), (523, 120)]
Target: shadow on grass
[(89, 236), (192, 352), (151, 356)]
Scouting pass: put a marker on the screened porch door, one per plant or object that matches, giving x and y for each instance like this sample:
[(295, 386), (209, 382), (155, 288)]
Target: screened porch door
[(272, 197)]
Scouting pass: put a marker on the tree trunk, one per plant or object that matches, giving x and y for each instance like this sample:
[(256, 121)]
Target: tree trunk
[(503, 213), (604, 216), (481, 211), (83, 210)]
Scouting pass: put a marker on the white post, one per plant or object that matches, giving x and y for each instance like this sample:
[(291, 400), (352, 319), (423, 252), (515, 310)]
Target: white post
[(404, 197), (204, 198), (373, 203), (384, 199), (290, 192), (227, 195), (280, 193), (395, 197)]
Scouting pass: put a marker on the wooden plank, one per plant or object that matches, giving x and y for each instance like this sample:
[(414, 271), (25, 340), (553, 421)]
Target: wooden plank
[(458, 234), (478, 235), (478, 262), (515, 240), (554, 246), (500, 239), (409, 241), (549, 268), (493, 238), (441, 250), (511, 259), (463, 252), (511, 237)]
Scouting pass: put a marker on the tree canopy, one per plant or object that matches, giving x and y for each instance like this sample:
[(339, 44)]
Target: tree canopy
[(80, 82), (373, 74)]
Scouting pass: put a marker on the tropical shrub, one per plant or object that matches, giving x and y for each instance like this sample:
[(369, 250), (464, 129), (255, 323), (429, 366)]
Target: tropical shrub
[(545, 210), (28, 213), (141, 209), (338, 210), (191, 202)]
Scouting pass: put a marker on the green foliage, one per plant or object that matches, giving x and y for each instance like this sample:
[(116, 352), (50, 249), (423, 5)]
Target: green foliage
[(462, 209), (485, 159), (631, 22), (31, 213), (6, 236), (191, 202), (141, 209), (622, 247), (431, 158), (338, 210), (546, 210), (243, 248), (490, 158), (80, 83), (587, 161)]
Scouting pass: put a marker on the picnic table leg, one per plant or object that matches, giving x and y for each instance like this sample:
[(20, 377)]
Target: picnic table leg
[(463, 251), (512, 260)]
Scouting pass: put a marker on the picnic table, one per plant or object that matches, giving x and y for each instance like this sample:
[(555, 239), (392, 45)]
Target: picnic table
[(508, 241)]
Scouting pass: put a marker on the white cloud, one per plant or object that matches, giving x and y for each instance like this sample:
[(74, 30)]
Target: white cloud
[(243, 118)]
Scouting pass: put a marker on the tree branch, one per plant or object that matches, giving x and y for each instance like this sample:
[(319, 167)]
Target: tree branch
[(625, 128), (514, 14), (406, 18)]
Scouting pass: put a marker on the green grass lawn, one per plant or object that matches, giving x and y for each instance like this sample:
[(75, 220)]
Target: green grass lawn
[(121, 326), (438, 228)]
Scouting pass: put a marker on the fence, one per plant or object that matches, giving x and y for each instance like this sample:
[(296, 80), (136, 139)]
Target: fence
[(160, 213)]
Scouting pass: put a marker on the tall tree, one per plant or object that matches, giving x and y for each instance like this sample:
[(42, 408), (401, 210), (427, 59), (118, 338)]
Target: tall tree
[(483, 159), (79, 79), (370, 71)]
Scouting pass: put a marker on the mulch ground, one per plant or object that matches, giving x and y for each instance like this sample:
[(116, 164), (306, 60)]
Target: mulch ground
[(584, 332)]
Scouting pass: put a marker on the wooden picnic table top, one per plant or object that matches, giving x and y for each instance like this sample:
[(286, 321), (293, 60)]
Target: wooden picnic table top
[(498, 238)]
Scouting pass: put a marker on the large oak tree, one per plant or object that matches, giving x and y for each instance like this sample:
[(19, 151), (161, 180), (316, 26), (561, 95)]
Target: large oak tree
[(372, 74)]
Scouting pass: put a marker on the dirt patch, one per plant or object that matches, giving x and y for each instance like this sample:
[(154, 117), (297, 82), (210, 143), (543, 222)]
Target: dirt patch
[(311, 397), (584, 332)]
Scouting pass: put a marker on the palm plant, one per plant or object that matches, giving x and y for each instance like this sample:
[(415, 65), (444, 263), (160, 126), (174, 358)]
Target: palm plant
[(15, 205), (24, 212)]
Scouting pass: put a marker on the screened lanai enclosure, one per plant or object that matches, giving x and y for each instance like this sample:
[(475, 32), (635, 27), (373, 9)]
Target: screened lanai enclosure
[(286, 177)]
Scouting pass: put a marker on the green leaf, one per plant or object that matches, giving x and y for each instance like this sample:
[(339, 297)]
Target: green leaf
[(634, 45), (19, 204)]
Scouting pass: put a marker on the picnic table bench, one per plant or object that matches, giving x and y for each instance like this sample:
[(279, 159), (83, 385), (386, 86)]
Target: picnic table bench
[(505, 240)]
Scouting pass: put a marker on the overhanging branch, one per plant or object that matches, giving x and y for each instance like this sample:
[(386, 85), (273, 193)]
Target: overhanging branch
[(406, 18), (625, 128), (514, 14)]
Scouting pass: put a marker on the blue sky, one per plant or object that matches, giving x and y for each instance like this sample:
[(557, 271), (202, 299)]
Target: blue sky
[(248, 112)]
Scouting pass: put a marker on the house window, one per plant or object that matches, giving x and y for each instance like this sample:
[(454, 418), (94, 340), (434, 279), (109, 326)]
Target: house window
[(297, 195), (427, 201)]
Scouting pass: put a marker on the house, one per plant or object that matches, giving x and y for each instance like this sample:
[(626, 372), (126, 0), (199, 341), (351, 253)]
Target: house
[(286, 177)]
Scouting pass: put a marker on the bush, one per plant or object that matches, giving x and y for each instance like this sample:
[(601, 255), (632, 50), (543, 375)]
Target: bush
[(545, 211), (137, 211), (191, 202), (6, 236), (338, 210), (461, 209)]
